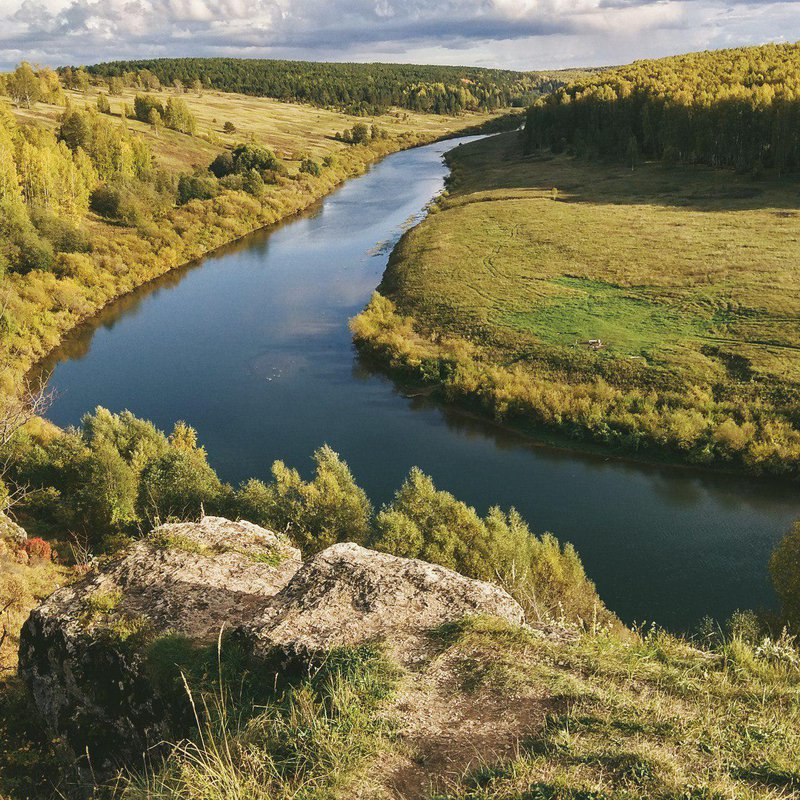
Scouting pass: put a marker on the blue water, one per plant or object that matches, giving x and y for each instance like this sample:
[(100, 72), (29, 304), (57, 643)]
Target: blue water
[(251, 347)]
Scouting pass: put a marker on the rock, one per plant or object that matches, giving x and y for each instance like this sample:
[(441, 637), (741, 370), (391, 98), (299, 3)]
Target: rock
[(84, 651), (100, 656), (347, 595), (11, 533)]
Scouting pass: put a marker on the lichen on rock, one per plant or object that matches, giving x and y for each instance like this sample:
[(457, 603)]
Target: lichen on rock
[(11, 533), (347, 595)]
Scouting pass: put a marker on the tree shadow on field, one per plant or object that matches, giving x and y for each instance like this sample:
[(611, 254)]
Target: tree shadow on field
[(498, 163)]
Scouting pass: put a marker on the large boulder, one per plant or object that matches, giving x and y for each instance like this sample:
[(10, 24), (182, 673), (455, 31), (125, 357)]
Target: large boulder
[(348, 595), (96, 653), (86, 651)]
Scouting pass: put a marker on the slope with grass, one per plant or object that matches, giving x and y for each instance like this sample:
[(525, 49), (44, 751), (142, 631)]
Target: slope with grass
[(289, 129), (653, 310), (570, 706), (488, 711), (174, 213)]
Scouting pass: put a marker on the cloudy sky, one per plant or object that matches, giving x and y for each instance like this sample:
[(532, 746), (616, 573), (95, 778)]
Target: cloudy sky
[(520, 34)]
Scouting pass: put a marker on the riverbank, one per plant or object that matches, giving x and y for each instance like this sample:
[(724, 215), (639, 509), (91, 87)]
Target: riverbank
[(41, 307), (251, 347), (557, 295)]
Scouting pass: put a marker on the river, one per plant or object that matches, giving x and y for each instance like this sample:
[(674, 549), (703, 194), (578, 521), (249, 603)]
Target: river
[(251, 347)]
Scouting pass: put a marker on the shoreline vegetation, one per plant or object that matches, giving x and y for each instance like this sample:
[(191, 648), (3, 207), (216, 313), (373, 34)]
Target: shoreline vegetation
[(640, 299), (412, 386), (372, 156), (124, 231)]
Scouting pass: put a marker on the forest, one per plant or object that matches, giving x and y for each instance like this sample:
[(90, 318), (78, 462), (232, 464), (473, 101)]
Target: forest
[(357, 88), (735, 108)]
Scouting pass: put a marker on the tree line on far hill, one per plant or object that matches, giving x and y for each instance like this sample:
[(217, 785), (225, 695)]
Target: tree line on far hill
[(735, 108), (357, 88)]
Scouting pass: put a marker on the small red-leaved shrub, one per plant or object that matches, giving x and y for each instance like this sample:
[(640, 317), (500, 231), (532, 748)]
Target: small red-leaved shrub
[(38, 548)]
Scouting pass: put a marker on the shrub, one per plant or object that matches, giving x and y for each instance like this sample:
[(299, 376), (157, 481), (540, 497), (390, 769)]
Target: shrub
[(105, 201), (222, 165), (784, 567), (21, 246), (195, 187), (129, 201), (177, 485), (33, 252), (330, 508), (246, 157), (38, 549), (253, 183), (178, 117), (64, 235), (359, 133), (310, 166), (144, 104), (544, 577)]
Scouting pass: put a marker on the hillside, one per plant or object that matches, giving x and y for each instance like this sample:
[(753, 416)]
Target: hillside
[(358, 674), (653, 309), (726, 108), (358, 88), (363, 654), (290, 129)]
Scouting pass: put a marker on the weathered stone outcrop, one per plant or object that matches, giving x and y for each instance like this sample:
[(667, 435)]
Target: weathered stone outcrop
[(347, 595), (11, 533), (84, 651), (93, 653)]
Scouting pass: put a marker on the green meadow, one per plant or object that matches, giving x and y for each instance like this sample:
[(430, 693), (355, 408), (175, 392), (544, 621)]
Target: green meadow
[(687, 276)]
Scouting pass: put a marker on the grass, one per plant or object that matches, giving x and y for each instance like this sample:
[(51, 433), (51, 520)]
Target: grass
[(315, 739), (637, 716), (620, 715), (689, 277), (657, 262), (289, 129), (482, 710)]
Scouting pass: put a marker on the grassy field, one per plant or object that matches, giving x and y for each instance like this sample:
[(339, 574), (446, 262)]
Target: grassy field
[(289, 129), (689, 277)]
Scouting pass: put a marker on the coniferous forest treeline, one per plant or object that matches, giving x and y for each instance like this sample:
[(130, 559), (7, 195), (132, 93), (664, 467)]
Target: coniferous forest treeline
[(732, 108), (358, 88)]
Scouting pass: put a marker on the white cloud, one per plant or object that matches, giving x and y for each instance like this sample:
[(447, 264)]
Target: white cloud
[(523, 34)]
